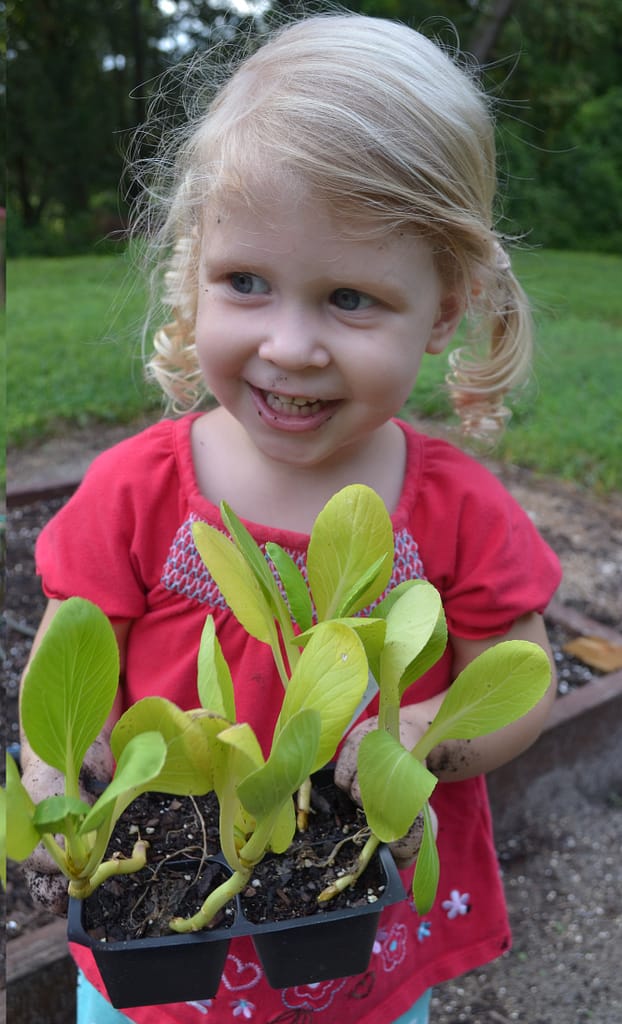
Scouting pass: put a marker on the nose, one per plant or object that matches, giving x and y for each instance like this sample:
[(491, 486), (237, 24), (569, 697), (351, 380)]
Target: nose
[(293, 340)]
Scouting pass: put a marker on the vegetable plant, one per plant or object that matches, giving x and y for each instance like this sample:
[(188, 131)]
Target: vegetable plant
[(349, 564), (336, 638), (68, 693)]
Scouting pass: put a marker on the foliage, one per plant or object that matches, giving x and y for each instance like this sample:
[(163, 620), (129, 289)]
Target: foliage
[(81, 75), (73, 337), (71, 684), (349, 563), (68, 694)]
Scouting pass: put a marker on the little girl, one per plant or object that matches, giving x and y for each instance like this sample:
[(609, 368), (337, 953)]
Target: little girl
[(330, 222)]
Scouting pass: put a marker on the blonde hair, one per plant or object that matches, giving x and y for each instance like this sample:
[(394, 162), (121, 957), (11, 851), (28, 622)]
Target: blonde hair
[(380, 123)]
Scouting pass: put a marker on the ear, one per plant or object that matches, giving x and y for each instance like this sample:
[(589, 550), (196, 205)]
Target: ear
[(450, 313)]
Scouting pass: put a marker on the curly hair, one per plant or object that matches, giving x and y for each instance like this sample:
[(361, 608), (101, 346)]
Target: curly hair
[(382, 125)]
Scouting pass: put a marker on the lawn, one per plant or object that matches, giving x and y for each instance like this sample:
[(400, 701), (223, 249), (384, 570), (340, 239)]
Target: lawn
[(568, 421), (74, 344), (74, 329)]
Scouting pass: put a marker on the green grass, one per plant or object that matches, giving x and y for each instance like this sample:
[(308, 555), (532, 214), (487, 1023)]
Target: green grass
[(73, 340), (74, 356), (568, 422)]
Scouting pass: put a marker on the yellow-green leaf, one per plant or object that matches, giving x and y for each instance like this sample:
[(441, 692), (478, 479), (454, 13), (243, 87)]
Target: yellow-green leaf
[(22, 836), (394, 785), (214, 680), (498, 687), (187, 768), (291, 761), (330, 677), (350, 535), (236, 582), (70, 686), (427, 870)]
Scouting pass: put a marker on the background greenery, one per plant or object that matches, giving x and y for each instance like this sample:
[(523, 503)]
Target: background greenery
[(74, 339), (81, 74)]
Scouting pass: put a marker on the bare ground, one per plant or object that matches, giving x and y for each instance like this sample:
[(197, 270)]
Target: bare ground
[(563, 876)]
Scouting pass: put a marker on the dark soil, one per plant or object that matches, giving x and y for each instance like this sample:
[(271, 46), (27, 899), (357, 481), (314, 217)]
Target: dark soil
[(183, 840)]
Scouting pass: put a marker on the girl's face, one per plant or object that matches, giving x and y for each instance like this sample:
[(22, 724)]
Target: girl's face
[(310, 338)]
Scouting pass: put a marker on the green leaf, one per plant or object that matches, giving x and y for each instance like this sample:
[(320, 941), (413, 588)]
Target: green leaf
[(237, 582), (291, 761), (330, 677), (349, 537), (22, 837), (427, 869), (284, 828), (187, 768), (255, 560), (140, 762), (246, 754), (394, 785), (215, 684), (350, 602), (70, 686), (499, 686), (295, 586), (3, 837), (416, 635), (62, 814)]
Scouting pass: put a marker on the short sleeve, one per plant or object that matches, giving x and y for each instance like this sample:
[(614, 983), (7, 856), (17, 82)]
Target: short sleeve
[(479, 547), (104, 543)]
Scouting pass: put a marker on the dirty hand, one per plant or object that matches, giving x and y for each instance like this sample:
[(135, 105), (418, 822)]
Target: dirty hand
[(404, 850), (48, 887)]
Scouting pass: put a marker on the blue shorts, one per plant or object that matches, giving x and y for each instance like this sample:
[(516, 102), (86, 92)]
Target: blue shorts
[(94, 1009)]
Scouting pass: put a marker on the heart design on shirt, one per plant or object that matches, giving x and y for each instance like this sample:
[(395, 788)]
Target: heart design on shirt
[(245, 975)]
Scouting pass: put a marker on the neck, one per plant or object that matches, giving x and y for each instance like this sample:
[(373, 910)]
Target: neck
[(229, 467)]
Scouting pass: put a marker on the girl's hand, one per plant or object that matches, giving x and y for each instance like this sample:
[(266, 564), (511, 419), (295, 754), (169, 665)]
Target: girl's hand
[(48, 887), (412, 727)]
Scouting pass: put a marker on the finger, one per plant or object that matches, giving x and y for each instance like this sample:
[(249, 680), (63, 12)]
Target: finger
[(345, 768), (405, 850), (41, 861), (49, 892)]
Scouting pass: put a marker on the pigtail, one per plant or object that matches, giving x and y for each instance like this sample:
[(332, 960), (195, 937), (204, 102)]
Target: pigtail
[(174, 364), (482, 374)]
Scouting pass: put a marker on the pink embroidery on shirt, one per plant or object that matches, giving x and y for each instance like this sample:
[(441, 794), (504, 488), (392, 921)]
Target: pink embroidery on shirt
[(317, 996), (184, 572), (393, 947)]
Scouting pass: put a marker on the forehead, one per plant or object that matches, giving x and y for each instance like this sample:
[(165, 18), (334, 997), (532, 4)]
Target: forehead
[(294, 218)]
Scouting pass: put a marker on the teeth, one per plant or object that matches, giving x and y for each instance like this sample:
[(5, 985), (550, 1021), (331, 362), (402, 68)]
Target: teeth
[(293, 406)]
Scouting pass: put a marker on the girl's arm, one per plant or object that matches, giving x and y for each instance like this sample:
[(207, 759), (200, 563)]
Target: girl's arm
[(461, 759)]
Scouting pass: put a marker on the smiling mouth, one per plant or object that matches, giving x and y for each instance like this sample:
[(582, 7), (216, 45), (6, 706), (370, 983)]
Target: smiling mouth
[(294, 406)]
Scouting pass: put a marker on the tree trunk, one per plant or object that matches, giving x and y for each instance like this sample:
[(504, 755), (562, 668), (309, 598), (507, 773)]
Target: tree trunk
[(488, 29)]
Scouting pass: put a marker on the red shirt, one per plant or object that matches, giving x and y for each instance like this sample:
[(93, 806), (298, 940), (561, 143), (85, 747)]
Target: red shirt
[(124, 541)]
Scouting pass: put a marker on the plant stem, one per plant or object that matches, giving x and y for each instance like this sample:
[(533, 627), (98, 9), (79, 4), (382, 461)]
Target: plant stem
[(80, 888), (303, 805), (345, 881), (214, 902)]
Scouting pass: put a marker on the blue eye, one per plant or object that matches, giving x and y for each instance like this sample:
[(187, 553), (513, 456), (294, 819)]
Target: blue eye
[(349, 299), (249, 284)]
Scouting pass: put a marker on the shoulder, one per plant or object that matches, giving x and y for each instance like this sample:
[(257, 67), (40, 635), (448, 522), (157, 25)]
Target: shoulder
[(446, 481), (145, 462)]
